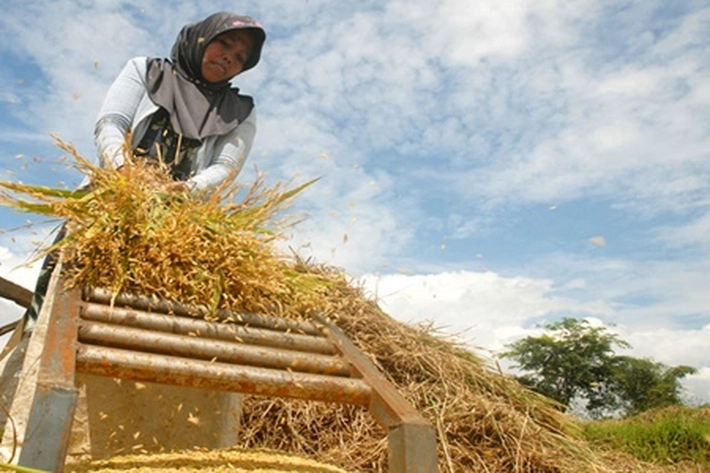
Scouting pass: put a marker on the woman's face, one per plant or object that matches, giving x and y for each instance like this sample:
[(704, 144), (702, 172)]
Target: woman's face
[(226, 55)]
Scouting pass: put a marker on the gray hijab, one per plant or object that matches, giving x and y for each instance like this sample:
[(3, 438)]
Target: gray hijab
[(197, 108)]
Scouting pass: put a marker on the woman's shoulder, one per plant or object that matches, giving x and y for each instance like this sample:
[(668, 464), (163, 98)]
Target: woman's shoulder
[(138, 62)]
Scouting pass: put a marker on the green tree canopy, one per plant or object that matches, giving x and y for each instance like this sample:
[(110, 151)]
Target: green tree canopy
[(574, 360), (644, 384)]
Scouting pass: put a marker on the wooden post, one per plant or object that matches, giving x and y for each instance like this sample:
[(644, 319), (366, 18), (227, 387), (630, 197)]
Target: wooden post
[(412, 448), (50, 419)]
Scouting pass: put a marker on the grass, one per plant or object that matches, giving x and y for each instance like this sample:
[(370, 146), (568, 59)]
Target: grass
[(664, 436)]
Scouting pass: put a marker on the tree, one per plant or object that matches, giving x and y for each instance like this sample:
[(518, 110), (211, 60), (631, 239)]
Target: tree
[(644, 384), (576, 361), (573, 360)]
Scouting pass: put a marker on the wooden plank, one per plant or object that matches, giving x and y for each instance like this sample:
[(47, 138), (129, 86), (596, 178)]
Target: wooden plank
[(57, 365), (391, 408), (412, 449), (14, 339), (46, 439), (411, 438), (16, 429), (49, 427), (16, 293)]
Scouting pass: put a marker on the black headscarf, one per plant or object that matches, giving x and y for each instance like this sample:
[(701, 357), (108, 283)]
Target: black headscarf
[(196, 107)]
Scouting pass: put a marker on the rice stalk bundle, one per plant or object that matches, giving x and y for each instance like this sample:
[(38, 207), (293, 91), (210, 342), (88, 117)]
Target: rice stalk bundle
[(127, 235)]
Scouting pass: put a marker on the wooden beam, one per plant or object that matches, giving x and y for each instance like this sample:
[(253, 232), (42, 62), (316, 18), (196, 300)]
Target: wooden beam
[(7, 328), (15, 338), (411, 438), (49, 423), (412, 449), (16, 293)]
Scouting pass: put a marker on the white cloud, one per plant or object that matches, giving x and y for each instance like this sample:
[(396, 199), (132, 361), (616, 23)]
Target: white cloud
[(698, 385), (643, 293), (693, 233), (480, 30), (479, 305), (489, 310), (661, 344), (632, 127)]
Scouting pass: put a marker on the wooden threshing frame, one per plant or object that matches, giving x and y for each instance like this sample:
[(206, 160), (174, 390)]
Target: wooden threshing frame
[(145, 339)]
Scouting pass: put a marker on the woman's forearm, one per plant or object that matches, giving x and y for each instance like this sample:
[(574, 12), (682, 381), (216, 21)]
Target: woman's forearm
[(118, 112), (227, 158)]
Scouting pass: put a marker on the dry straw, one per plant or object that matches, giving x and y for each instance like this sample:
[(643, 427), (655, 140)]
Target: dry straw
[(128, 235)]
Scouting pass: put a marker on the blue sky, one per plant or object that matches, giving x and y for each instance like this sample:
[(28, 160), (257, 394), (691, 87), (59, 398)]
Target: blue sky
[(488, 166)]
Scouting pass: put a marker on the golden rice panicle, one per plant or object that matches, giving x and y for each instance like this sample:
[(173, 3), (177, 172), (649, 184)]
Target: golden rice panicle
[(126, 234)]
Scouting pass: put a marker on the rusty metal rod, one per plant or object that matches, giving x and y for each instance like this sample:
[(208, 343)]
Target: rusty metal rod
[(115, 336), (204, 329), (125, 364), (153, 304)]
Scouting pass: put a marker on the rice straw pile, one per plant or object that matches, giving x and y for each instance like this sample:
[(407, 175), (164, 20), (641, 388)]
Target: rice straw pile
[(130, 236)]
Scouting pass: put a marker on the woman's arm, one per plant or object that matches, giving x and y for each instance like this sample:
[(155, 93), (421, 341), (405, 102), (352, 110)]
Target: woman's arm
[(227, 157), (118, 112)]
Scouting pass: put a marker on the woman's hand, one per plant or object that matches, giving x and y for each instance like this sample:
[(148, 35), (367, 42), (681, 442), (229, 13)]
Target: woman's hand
[(171, 187), (177, 186)]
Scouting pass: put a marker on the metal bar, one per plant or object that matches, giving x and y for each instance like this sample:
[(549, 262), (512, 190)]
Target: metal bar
[(50, 419), (412, 439), (153, 304), (16, 293), (116, 336), (163, 369), (218, 331)]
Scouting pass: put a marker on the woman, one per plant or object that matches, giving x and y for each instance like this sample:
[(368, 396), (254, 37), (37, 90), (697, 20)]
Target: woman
[(181, 111)]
